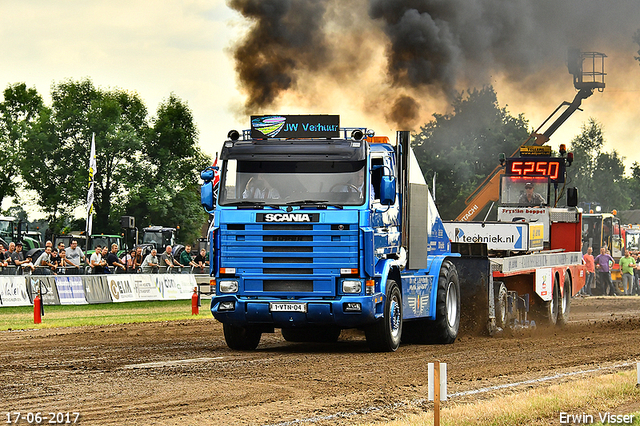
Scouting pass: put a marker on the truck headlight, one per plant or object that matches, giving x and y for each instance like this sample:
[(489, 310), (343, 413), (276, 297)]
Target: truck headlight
[(351, 286), (228, 286), (226, 306)]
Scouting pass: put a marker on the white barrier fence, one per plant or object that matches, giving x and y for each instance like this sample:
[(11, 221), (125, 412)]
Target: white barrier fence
[(84, 289)]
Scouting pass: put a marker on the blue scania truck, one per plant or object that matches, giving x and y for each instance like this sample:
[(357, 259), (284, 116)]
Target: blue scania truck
[(317, 228)]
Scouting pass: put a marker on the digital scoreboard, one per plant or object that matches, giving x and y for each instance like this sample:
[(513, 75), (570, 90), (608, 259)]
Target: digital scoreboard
[(537, 167)]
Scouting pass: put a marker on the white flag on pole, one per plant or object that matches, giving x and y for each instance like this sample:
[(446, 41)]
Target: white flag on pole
[(90, 193)]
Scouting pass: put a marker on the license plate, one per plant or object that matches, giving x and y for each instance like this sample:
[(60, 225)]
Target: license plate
[(287, 307)]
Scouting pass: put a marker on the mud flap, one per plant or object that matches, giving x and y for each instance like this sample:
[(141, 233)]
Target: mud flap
[(476, 288)]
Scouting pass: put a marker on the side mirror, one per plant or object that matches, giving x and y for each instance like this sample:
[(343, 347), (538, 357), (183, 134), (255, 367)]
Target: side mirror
[(388, 190), (207, 175), (572, 197), (207, 198)]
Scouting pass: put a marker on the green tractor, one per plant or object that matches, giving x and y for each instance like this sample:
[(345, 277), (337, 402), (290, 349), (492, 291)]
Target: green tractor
[(11, 231), (104, 240)]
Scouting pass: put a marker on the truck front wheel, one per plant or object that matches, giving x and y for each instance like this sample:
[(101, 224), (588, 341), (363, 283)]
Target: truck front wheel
[(384, 335), (241, 338)]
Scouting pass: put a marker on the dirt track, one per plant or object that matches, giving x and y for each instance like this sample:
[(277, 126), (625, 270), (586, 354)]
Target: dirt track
[(182, 372)]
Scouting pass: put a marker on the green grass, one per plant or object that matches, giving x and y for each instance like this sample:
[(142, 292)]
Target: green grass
[(19, 318), (542, 405)]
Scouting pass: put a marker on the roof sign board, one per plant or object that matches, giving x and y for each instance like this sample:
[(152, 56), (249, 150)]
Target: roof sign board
[(544, 150), (295, 126)]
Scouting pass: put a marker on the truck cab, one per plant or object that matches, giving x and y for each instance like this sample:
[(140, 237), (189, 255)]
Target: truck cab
[(324, 229)]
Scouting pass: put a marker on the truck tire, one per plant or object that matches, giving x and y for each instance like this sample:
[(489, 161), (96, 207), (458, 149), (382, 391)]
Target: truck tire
[(447, 322), (502, 307), (311, 334), (564, 307), (546, 313), (384, 335), (241, 338), (444, 329)]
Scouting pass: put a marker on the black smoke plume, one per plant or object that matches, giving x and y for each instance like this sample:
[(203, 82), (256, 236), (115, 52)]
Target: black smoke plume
[(434, 48)]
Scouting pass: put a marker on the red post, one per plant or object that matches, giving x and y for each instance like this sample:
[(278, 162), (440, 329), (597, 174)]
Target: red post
[(37, 317), (194, 302)]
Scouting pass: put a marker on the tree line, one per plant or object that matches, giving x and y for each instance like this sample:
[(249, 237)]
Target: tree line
[(147, 166), (463, 147)]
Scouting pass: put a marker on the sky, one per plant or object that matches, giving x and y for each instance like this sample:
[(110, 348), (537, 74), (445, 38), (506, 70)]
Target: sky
[(186, 47)]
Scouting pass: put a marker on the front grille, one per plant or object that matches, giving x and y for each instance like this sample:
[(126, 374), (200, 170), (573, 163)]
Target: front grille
[(288, 260), (289, 257), (288, 271), (287, 238), (287, 227), (287, 249), (288, 285)]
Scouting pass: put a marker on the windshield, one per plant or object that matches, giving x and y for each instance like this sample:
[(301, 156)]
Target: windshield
[(633, 240), (530, 192), (5, 230), (154, 238), (291, 182), (104, 242)]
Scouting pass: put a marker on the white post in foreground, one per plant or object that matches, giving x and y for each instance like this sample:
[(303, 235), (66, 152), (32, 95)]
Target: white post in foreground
[(437, 388), (638, 370)]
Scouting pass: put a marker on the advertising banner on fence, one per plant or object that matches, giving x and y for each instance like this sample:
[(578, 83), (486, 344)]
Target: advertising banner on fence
[(146, 288), (70, 290), (13, 292), (175, 286), (47, 287), (121, 288), (96, 289)]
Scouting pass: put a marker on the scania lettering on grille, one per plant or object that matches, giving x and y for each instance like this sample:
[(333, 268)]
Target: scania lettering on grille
[(287, 217)]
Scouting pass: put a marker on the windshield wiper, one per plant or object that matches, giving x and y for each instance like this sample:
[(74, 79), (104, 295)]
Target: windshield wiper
[(319, 203), (252, 204), (245, 203)]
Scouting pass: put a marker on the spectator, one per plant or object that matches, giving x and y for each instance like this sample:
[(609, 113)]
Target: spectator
[(150, 263), (636, 281), (96, 262), (55, 257), (114, 262), (186, 261), (75, 254), (18, 255), (66, 266), (591, 272), (128, 260), (48, 244), (8, 255), (3, 261), (27, 266), (627, 265), (105, 253), (167, 260), (202, 260), (44, 262), (138, 259), (602, 261)]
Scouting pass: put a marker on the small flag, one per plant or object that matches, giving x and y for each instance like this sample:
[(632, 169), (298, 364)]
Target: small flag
[(216, 178), (90, 193)]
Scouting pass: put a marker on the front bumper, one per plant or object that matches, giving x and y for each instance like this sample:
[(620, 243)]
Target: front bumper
[(319, 311)]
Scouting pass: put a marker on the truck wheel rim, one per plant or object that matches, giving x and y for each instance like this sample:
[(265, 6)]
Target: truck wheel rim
[(394, 310), (452, 304)]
